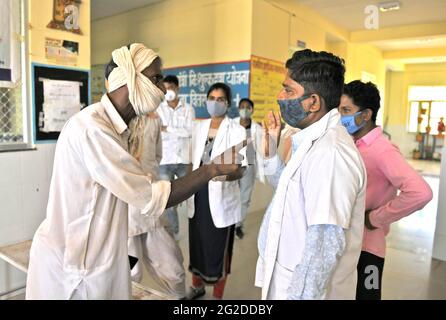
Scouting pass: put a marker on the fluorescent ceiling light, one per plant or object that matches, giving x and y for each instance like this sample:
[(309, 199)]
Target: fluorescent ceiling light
[(427, 40), (389, 6)]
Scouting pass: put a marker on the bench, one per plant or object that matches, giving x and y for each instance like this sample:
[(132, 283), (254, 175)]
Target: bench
[(18, 256)]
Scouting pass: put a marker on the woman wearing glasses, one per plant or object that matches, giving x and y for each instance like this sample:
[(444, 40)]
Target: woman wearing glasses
[(215, 209)]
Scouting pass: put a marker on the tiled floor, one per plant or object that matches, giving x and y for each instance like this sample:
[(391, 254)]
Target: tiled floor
[(427, 168), (409, 271)]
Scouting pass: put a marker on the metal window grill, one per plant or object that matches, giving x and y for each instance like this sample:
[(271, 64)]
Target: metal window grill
[(11, 115)]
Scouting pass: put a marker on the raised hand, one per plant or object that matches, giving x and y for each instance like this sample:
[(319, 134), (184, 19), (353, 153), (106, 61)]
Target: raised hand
[(271, 134)]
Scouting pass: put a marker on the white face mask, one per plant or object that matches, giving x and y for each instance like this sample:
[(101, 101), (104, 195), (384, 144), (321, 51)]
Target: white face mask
[(245, 113), (216, 109), (170, 95)]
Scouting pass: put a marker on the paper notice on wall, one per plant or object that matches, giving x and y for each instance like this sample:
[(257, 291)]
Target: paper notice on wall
[(61, 100), (61, 51)]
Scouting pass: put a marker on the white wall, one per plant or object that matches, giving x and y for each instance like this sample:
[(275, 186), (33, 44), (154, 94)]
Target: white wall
[(24, 185)]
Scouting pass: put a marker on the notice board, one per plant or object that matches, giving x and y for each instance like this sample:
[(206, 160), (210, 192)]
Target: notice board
[(195, 81), (58, 93), (266, 82)]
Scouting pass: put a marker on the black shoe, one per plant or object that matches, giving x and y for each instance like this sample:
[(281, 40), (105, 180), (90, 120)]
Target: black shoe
[(239, 232), (195, 293)]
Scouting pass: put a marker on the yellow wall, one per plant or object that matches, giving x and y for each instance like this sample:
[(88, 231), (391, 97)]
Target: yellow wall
[(183, 32), (338, 48), (40, 14), (278, 25), (363, 57), (270, 31)]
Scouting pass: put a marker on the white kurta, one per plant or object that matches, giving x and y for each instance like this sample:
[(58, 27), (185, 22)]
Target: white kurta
[(80, 249), (323, 183)]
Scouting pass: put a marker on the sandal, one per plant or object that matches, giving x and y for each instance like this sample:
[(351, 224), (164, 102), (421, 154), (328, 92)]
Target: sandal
[(196, 293)]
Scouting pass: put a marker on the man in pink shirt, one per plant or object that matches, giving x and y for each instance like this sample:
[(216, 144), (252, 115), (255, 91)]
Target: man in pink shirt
[(387, 172)]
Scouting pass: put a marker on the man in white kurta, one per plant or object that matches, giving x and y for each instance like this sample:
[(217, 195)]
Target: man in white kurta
[(80, 250)]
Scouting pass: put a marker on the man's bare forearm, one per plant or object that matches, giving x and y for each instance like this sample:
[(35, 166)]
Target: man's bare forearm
[(183, 188)]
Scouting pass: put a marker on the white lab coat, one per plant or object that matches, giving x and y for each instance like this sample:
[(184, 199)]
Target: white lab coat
[(224, 196), (323, 183), (80, 249), (256, 136)]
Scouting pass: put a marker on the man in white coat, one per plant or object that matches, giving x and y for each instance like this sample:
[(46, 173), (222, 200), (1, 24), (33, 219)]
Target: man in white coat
[(80, 249), (311, 235), (255, 160)]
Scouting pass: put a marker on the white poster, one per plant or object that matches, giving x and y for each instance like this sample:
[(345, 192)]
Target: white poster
[(11, 40), (61, 100), (5, 40)]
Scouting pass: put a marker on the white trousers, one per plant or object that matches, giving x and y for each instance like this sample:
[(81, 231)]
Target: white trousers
[(162, 257)]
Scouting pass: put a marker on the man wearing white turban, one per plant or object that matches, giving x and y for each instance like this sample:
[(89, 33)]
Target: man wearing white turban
[(80, 249), (153, 247)]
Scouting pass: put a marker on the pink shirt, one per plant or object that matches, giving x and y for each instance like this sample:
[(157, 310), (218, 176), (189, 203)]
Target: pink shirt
[(388, 172)]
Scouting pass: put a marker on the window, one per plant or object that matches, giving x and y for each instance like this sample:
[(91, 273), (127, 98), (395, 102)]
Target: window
[(14, 112), (427, 105)]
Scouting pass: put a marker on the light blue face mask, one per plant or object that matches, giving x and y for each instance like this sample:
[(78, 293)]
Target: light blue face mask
[(349, 122), (216, 108)]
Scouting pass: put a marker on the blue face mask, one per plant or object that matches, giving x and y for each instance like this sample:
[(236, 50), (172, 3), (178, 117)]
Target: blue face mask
[(292, 110), (350, 123)]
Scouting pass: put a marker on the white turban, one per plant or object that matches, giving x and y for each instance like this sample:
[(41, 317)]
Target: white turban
[(144, 96)]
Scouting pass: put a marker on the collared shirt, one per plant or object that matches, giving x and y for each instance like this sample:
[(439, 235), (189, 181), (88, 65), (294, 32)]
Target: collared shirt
[(83, 240), (388, 172), (177, 138), (323, 183)]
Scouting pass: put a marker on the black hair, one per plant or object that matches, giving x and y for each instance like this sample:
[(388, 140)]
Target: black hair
[(364, 95), (249, 101), (320, 73), (111, 65), (171, 79), (226, 89)]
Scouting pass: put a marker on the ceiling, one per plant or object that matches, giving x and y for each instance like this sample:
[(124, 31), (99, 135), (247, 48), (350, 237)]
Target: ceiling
[(105, 8), (350, 13)]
